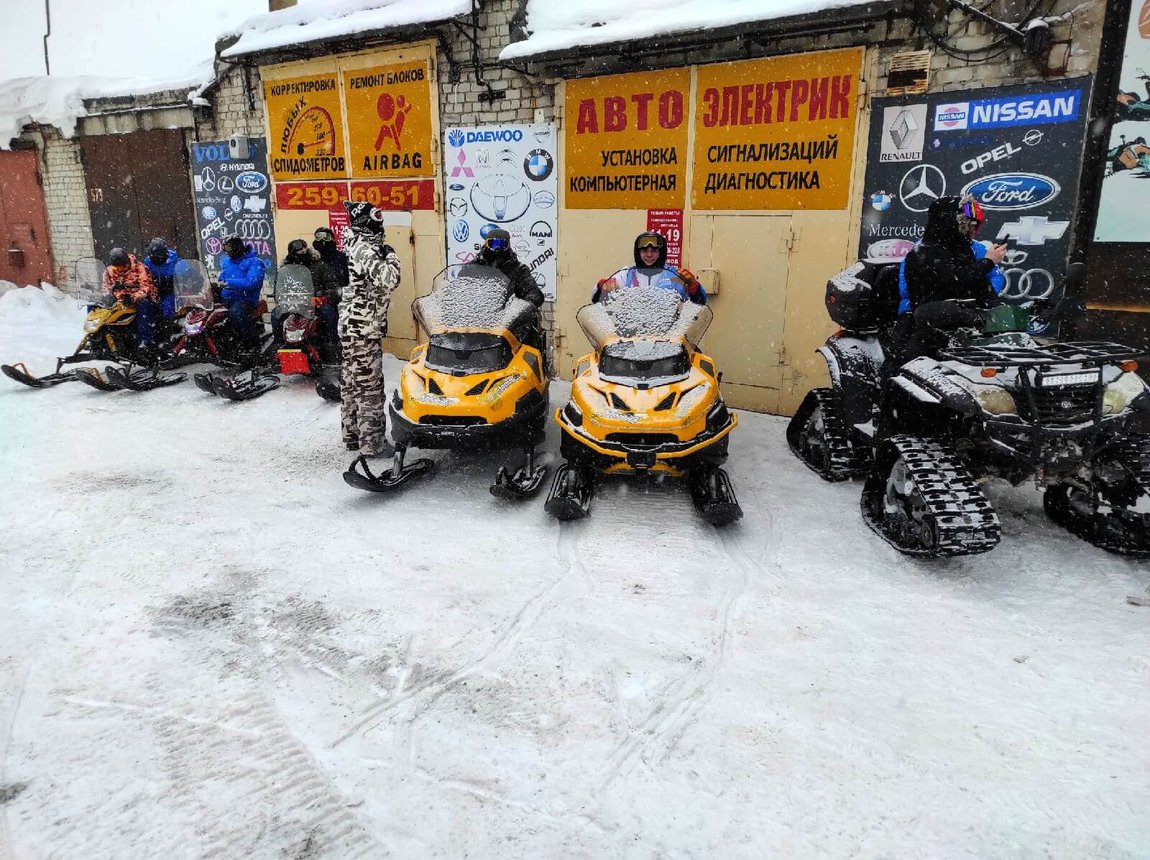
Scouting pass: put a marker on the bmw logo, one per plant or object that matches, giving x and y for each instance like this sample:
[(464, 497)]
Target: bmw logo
[(461, 231), (538, 164), (881, 200), (455, 137)]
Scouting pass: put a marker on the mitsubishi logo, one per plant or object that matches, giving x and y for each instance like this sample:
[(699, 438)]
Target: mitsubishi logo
[(921, 186), (1033, 230)]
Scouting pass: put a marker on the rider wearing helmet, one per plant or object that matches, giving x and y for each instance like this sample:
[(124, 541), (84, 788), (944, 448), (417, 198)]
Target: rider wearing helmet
[(161, 262), (242, 278), (651, 269), (496, 253), (323, 286), (127, 281), (332, 256)]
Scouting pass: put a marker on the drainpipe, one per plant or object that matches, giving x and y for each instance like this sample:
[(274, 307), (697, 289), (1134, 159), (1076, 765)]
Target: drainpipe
[(48, 32)]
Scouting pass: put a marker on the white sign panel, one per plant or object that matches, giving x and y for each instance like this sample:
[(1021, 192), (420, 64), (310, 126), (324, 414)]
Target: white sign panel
[(503, 176)]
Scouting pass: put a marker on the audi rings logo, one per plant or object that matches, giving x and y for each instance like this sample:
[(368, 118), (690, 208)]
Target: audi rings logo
[(252, 229), (1027, 285)]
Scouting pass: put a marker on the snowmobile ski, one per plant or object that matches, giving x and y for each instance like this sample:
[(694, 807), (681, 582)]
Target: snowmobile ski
[(205, 382), (92, 377), (245, 386), (19, 373), (146, 380), (360, 476), (328, 389), (714, 497), (523, 483), (570, 495), (923, 501)]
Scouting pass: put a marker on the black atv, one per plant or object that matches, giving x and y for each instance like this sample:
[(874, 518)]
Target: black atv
[(1074, 417)]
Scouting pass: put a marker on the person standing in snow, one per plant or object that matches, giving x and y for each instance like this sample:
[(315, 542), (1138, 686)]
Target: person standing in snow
[(651, 270), (373, 269), (128, 281), (242, 277)]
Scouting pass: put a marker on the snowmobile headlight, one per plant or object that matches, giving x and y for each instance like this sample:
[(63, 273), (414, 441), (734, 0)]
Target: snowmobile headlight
[(691, 401), (193, 328), (500, 386), (1121, 393), (293, 335), (92, 324)]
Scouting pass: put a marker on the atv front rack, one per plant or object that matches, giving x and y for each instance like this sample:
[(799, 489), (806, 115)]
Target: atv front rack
[(1089, 352)]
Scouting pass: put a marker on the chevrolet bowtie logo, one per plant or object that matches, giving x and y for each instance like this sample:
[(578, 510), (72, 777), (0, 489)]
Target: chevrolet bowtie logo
[(1033, 230)]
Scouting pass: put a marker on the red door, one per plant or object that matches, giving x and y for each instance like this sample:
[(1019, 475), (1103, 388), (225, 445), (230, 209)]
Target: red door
[(26, 253)]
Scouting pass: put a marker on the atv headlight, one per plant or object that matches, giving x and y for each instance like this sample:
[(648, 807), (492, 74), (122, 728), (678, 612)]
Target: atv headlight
[(994, 399), (1121, 393)]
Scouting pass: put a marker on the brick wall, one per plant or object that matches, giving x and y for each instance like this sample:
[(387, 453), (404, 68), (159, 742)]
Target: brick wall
[(66, 199), (232, 113)]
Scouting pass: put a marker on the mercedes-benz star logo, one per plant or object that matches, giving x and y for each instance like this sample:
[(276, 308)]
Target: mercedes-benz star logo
[(921, 186)]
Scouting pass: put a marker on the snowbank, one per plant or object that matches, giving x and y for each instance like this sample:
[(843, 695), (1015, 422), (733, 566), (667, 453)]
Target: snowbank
[(59, 101), (556, 26), (332, 19)]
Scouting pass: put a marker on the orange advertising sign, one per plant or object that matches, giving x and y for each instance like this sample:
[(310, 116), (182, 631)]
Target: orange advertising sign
[(305, 128), (626, 142), (399, 195), (389, 120), (776, 133)]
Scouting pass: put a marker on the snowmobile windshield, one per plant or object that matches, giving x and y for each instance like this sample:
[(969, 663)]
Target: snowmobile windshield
[(472, 297), (90, 281), (654, 362), (643, 312), (463, 353), (295, 293), (191, 286)]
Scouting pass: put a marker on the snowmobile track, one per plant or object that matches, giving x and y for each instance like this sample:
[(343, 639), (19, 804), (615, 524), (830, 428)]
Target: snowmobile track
[(843, 461)]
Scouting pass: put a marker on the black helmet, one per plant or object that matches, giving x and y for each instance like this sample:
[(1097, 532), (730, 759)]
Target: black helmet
[(364, 216), (324, 235), (650, 239), (119, 258), (157, 251), (234, 247), (297, 250), (497, 243)]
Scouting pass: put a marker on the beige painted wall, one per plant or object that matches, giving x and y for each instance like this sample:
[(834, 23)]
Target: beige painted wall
[(772, 267)]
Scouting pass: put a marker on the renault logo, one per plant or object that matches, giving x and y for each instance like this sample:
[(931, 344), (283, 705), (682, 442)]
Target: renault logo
[(921, 186)]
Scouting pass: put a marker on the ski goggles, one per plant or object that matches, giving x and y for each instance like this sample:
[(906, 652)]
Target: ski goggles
[(497, 243), (971, 211), (652, 241)]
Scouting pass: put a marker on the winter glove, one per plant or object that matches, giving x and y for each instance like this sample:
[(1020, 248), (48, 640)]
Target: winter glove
[(386, 250), (689, 281)]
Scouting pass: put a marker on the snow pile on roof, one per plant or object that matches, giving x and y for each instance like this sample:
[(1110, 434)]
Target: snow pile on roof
[(59, 101), (556, 26), (333, 19)]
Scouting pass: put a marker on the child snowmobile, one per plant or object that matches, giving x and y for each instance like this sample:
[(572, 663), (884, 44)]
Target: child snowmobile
[(474, 385), (1074, 417), (109, 335), (645, 402)]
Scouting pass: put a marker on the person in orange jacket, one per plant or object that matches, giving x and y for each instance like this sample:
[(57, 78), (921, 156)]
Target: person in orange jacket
[(128, 281)]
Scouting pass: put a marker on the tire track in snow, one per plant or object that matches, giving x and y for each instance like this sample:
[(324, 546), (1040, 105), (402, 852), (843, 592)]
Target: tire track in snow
[(421, 696), (656, 736)]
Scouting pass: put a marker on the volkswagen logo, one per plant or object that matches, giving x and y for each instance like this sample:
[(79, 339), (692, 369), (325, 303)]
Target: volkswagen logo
[(461, 231), (921, 186)]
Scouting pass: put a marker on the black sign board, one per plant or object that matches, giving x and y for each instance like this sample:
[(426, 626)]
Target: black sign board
[(232, 198), (1016, 150)]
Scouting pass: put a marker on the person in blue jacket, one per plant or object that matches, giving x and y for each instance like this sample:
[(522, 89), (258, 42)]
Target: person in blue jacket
[(651, 269), (242, 279), (161, 262)]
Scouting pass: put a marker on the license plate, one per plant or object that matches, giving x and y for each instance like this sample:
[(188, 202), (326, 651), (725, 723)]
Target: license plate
[(1068, 379)]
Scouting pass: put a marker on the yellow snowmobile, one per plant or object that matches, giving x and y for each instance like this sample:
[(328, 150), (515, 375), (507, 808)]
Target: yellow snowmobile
[(646, 401), (478, 383), (109, 335)]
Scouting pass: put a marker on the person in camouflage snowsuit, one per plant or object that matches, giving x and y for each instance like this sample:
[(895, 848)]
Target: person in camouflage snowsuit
[(373, 276)]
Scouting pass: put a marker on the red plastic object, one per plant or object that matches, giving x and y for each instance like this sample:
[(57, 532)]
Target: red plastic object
[(293, 361)]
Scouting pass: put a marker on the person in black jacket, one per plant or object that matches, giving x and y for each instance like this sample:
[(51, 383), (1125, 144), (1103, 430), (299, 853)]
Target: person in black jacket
[(332, 256), (943, 268)]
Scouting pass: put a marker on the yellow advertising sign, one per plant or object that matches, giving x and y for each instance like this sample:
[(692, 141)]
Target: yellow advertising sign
[(626, 142), (306, 128), (776, 133), (389, 120)]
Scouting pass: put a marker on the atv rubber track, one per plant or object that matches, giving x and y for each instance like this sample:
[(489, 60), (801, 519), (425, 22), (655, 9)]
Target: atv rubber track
[(845, 461), (966, 522)]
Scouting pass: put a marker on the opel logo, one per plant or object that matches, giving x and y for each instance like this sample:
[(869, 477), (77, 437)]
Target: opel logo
[(921, 186)]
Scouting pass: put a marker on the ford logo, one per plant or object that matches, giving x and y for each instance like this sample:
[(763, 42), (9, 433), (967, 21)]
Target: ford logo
[(251, 182), (1013, 190), (456, 186)]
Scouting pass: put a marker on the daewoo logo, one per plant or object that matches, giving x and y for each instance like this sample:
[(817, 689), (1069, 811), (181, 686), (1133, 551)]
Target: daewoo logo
[(1013, 190), (455, 137), (251, 182)]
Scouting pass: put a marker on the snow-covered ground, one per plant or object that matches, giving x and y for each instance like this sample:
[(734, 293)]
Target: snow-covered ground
[(212, 646)]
